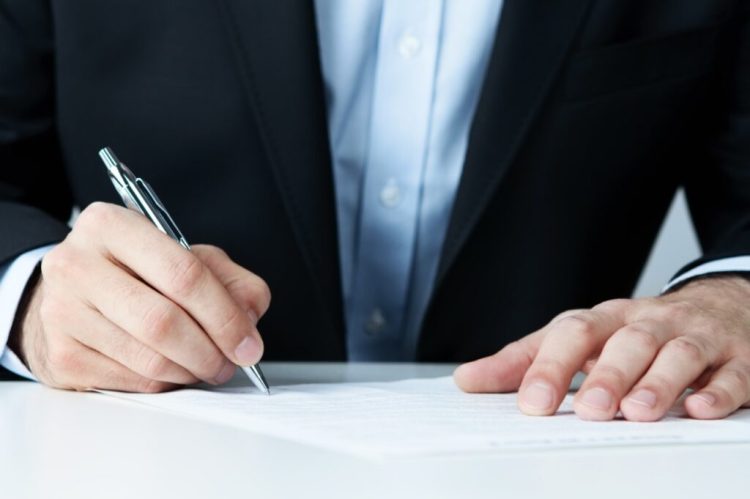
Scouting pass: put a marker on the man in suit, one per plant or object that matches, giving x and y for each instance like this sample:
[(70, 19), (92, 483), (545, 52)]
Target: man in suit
[(428, 180)]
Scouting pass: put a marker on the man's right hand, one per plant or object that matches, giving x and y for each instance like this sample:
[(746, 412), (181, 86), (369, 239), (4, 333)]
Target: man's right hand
[(121, 306)]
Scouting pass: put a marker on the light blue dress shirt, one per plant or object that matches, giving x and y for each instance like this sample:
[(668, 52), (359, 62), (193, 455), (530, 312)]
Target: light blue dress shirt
[(402, 80)]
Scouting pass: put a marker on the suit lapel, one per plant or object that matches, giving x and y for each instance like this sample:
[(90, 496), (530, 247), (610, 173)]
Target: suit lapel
[(532, 40), (277, 53), (276, 48)]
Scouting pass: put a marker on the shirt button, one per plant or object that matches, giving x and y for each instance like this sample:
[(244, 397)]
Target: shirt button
[(390, 196), (375, 323), (408, 46)]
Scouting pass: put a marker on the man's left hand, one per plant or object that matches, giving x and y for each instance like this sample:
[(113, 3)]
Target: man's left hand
[(640, 355)]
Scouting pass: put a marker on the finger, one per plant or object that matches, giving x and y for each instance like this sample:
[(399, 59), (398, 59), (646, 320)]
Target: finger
[(501, 372), (678, 364), (77, 367), (568, 344), (94, 331), (247, 289), (589, 365), (177, 274), (139, 310), (624, 359), (727, 390), (703, 379)]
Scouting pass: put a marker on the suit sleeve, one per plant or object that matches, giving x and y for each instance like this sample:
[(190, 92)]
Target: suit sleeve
[(35, 199), (14, 280), (718, 183)]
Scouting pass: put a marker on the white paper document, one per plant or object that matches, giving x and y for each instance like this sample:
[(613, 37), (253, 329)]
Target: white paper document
[(424, 417)]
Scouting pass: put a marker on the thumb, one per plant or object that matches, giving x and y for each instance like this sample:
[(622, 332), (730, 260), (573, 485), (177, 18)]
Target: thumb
[(501, 372)]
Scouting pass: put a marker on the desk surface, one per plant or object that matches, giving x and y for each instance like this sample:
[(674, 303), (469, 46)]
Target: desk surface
[(85, 445)]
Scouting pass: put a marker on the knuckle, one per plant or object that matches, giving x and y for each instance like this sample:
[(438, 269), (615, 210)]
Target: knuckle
[(216, 251), (244, 289), (612, 305), (212, 255), (260, 295), (187, 272), (254, 291), (159, 321), (551, 367), (688, 347), (566, 313), (95, 216), (580, 328), (517, 349), (640, 338), (232, 326), (612, 373), (156, 366)]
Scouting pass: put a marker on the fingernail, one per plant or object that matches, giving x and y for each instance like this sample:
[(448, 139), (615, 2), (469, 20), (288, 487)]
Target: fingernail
[(646, 398), (597, 398), (707, 398), (538, 396), (227, 372), (247, 351)]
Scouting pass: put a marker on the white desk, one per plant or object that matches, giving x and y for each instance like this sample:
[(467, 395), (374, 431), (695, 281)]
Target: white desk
[(84, 445)]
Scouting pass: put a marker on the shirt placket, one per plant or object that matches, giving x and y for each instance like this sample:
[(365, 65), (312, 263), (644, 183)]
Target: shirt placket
[(394, 168)]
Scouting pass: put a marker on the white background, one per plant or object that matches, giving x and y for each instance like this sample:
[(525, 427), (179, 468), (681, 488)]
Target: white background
[(675, 246)]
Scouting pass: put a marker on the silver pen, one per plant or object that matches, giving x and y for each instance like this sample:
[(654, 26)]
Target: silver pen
[(139, 196)]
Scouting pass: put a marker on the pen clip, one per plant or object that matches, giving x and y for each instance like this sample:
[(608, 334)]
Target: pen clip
[(168, 224), (139, 196)]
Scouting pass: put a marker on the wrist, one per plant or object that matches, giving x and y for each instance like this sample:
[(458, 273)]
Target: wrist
[(733, 280), (25, 319), (716, 291)]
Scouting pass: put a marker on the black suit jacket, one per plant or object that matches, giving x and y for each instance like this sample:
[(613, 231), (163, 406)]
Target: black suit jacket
[(592, 114)]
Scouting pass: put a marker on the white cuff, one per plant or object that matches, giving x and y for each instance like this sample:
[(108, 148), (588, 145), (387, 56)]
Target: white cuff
[(13, 280), (733, 264)]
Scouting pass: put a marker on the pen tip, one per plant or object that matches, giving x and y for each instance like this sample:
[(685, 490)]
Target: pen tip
[(256, 376)]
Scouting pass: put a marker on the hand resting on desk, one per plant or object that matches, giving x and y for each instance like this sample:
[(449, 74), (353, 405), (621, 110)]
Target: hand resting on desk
[(121, 306), (640, 356)]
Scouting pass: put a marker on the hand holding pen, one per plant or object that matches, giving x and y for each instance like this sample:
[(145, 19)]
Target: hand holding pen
[(138, 195), (120, 306)]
